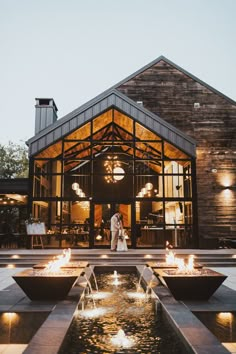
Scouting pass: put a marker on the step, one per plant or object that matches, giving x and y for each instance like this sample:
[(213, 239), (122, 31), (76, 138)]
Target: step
[(28, 263), (105, 256)]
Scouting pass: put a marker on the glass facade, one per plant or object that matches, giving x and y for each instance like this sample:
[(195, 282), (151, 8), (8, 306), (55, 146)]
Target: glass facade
[(13, 213), (113, 161)]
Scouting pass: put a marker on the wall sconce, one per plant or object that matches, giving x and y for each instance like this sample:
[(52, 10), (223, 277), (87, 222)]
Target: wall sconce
[(213, 170), (229, 187)]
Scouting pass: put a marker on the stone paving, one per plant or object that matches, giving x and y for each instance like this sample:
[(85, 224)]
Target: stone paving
[(48, 338), (190, 329)]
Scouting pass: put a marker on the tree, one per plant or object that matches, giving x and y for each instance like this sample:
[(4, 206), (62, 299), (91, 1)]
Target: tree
[(14, 161)]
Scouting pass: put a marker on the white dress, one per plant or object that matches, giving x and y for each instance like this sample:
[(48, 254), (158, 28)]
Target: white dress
[(121, 244)]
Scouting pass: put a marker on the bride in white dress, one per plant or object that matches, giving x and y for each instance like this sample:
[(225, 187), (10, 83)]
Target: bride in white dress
[(121, 244)]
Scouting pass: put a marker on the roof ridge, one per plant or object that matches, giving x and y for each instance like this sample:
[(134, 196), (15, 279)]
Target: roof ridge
[(116, 99), (114, 87), (168, 61)]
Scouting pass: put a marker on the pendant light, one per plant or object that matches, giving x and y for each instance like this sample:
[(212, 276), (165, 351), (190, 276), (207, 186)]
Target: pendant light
[(149, 186), (78, 191), (75, 186)]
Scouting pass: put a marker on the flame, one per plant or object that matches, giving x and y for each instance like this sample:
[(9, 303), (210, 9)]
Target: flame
[(59, 261), (170, 258), (190, 264), (180, 264), (186, 268)]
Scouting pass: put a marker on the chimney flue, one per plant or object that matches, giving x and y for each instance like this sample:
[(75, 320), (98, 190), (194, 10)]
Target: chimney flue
[(45, 113)]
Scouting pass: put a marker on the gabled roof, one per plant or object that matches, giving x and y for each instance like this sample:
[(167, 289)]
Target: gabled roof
[(111, 99), (162, 58)]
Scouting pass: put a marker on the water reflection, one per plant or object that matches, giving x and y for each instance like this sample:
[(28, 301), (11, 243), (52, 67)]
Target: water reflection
[(121, 322)]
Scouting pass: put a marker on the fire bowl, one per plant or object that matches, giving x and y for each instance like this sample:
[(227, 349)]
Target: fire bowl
[(164, 265), (41, 285), (198, 285), (69, 265)]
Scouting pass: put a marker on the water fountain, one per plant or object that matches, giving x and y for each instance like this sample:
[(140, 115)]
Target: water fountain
[(94, 277), (120, 340), (51, 282), (152, 282), (123, 321), (142, 274)]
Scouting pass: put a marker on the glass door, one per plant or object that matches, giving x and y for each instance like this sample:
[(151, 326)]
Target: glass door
[(101, 222)]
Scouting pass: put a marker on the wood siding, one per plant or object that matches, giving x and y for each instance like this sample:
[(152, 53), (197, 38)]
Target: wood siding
[(171, 93)]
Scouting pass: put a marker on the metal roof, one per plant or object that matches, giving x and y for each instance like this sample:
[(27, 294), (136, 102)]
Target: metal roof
[(111, 99)]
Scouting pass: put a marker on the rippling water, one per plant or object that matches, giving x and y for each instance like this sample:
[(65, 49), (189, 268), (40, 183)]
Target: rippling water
[(117, 307)]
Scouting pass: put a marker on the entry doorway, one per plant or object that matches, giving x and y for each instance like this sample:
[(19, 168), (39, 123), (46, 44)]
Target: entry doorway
[(102, 213)]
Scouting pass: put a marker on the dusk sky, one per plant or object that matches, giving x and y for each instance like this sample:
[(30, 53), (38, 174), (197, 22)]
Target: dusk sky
[(73, 50)]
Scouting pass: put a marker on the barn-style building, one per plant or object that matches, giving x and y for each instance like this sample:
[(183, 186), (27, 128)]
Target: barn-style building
[(160, 146)]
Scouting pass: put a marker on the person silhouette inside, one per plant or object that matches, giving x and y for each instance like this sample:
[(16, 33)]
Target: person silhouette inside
[(116, 226), (121, 244)]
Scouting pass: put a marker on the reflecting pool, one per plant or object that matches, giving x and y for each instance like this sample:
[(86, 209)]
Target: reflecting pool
[(120, 319)]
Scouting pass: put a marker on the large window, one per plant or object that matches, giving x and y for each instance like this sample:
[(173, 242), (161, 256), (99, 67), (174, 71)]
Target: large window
[(114, 159), (13, 213)]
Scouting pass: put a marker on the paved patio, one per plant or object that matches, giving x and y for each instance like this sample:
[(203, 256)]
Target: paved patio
[(49, 337)]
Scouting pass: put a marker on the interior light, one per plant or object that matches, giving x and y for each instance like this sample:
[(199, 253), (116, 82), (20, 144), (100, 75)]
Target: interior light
[(75, 186), (148, 186), (120, 171), (78, 191)]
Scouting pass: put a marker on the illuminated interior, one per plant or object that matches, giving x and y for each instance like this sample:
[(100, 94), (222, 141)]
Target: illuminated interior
[(13, 211), (113, 161)]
